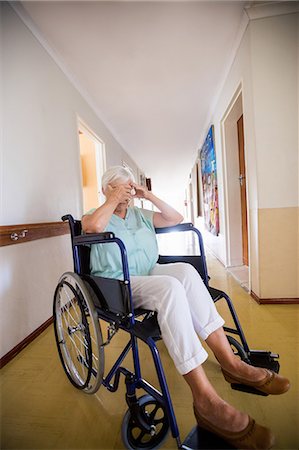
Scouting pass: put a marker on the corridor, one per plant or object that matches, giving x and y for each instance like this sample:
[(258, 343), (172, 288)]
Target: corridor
[(42, 410)]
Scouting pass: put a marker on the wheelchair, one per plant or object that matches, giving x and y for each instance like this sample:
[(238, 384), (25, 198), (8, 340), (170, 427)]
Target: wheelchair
[(81, 300)]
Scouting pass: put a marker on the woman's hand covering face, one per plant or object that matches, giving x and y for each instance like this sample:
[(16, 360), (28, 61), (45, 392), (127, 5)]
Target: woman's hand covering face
[(121, 193)]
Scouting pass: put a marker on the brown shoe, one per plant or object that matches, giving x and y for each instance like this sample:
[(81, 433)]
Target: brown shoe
[(253, 436), (272, 383)]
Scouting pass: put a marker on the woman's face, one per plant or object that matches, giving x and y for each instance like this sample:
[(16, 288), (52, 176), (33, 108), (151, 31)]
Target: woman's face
[(123, 205)]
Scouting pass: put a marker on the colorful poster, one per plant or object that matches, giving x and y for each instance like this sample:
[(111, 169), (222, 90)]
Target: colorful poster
[(209, 183)]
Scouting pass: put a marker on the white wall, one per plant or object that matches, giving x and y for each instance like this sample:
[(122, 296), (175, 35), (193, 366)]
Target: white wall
[(275, 83), (240, 74), (266, 67), (40, 173)]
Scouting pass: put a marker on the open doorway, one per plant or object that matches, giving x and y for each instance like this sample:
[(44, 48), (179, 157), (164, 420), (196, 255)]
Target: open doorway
[(236, 210), (93, 165)]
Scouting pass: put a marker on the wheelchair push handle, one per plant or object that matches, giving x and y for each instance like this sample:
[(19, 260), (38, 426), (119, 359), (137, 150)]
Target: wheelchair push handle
[(66, 217)]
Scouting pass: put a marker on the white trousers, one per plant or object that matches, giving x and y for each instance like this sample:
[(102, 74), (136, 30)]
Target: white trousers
[(185, 310)]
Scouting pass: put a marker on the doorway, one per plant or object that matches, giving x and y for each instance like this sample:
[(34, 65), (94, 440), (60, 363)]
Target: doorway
[(235, 182), (93, 165)]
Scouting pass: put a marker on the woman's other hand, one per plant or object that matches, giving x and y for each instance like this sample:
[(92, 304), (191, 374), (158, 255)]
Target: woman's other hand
[(140, 191), (167, 216)]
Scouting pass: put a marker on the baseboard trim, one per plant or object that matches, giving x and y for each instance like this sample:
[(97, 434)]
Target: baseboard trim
[(274, 301), (19, 347)]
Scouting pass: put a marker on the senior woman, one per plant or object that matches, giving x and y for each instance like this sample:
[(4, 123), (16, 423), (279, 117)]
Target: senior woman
[(184, 306)]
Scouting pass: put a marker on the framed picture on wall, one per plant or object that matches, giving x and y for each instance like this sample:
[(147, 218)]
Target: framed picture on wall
[(209, 183), (199, 190)]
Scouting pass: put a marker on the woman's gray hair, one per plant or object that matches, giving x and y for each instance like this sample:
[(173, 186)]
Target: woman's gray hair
[(117, 173)]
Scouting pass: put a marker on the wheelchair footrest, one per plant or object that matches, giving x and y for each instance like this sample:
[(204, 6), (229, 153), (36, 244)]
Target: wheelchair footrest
[(261, 358), (198, 438), (248, 389)]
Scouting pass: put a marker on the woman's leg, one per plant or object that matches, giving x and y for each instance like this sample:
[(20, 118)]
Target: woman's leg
[(218, 343), (167, 296), (218, 417), (207, 321), (205, 316), (212, 407)]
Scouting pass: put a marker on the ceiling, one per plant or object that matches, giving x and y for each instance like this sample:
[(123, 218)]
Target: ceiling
[(152, 69)]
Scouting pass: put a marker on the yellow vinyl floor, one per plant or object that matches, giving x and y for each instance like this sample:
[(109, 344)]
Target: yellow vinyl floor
[(40, 409)]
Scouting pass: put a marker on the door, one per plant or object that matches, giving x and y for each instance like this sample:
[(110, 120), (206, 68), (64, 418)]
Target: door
[(242, 180), (92, 158)]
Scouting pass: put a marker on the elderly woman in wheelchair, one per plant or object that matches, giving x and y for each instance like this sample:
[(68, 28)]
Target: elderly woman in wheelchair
[(184, 306)]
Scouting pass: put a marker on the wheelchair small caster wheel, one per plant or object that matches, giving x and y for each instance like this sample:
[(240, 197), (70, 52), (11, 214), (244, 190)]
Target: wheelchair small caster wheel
[(238, 349), (134, 437)]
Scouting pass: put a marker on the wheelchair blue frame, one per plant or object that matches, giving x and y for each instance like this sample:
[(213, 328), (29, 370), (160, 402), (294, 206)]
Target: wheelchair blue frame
[(134, 380)]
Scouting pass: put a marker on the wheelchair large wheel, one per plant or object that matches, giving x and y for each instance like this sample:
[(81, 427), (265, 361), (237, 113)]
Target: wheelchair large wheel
[(136, 438), (78, 333)]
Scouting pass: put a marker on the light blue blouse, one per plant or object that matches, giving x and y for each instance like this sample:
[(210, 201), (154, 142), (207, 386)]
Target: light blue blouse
[(138, 234)]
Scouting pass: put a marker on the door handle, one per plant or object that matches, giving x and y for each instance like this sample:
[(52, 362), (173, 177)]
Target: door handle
[(241, 178)]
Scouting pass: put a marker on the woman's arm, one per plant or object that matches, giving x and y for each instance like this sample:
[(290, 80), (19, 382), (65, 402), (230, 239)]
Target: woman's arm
[(167, 216), (99, 219)]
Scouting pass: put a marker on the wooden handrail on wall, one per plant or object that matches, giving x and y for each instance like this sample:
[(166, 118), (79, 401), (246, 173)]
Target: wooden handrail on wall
[(18, 234)]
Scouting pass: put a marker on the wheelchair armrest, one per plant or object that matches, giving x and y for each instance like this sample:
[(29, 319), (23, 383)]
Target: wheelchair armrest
[(180, 227), (188, 226), (93, 238)]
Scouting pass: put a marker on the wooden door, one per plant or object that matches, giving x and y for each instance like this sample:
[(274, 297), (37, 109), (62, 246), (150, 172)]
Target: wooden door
[(242, 180)]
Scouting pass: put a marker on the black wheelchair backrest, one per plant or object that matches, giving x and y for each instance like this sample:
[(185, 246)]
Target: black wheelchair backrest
[(107, 293), (81, 253)]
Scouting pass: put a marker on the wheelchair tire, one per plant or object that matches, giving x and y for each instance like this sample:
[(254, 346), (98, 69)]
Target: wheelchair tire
[(238, 349), (78, 333), (134, 437)]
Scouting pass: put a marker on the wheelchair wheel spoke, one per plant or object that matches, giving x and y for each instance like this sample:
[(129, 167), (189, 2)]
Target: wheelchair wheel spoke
[(70, 301), (153, 413), (79, 352), (75, 345), (141, 436), (74, 308), (94, 357), (65, 318), (70, 315)]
